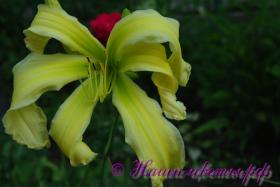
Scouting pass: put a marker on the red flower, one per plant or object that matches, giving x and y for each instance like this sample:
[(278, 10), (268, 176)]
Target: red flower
[(103, 24)]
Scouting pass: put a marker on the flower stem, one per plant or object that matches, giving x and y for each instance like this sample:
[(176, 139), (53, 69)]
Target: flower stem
[(107, 148), (65, 172)]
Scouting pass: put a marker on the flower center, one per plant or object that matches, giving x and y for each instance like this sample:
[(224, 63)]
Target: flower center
[(101, 79)]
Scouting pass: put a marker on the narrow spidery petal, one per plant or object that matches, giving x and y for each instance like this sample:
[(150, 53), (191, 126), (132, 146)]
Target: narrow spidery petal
[(52, 22), (152, 29), (167, 88), (148, 26), (33, 76), (37, 74), (35, 42), (145, 57), (148, 133), (70, 122)]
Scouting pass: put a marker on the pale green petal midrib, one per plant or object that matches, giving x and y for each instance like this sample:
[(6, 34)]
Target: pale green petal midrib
[(76, 108), (25, 121), (68, 130), (143, 117), (148, 139)]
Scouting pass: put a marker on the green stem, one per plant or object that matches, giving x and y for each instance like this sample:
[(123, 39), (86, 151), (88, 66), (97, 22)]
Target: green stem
[(85, 176), (107, 149), (65, 172)]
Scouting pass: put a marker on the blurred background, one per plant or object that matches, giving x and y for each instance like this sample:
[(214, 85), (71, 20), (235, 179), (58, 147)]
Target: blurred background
[(232, 98)]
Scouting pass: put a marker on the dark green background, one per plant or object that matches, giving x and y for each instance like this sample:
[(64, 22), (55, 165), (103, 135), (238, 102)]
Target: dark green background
[(232, 99)]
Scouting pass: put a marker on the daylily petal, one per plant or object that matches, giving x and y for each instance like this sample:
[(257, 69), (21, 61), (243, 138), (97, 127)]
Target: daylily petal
[(71, 121), (53, 3), (33, 76), (167, 87), (149, 134), (27, 125), (54, 22), (37, 74), (145, 57), (35, 42), (151, 57), (150, 27)]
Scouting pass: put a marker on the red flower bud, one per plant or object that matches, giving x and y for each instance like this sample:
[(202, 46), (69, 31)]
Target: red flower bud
[(103, 24)]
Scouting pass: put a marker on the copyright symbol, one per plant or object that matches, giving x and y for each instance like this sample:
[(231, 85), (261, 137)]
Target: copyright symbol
[(118, 169)]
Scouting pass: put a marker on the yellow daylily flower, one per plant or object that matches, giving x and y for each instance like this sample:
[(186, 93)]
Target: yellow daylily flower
[(135, 44)]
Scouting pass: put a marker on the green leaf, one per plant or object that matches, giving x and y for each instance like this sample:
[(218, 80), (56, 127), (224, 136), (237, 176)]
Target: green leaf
[(213, 124), (275, 70)]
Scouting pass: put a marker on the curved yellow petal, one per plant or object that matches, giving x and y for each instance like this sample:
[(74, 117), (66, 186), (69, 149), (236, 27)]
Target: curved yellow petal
[(149, 134), (71, 121), (54, 22), (27, 125), (151, 28), (148, 26), (167, 87), (33, 76), (37, 74), (145, 57), (35, 42)]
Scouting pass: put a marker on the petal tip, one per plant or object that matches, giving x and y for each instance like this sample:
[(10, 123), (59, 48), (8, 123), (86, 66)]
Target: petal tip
[(186, 69), (81, 154), (175, 116), (15, 128)]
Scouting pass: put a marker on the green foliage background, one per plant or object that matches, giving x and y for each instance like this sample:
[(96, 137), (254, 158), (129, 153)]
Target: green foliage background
[(232, 99)]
